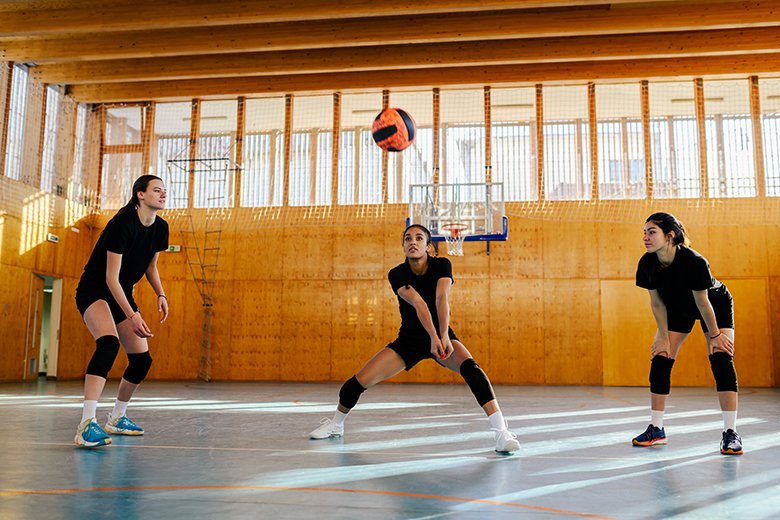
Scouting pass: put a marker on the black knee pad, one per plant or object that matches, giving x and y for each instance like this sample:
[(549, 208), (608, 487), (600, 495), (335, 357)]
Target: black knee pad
[(477, 380), (350, 393), (106, 349), (725, 374), (661, 375), (137, 367)]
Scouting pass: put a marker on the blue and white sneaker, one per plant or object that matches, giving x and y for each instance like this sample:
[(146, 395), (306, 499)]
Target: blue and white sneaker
[(652, 435), (122, 426), (90, 435)]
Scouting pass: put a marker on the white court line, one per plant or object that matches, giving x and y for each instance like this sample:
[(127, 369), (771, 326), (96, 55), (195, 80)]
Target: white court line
[(759, 442)]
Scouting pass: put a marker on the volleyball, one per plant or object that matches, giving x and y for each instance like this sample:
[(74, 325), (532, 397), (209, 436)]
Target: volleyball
[(393, 130)]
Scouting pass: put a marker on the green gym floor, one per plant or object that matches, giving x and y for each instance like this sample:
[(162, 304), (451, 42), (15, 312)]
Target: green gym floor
[(241, 450)]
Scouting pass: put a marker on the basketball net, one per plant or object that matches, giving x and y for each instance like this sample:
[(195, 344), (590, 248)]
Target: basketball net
[(455, 236)]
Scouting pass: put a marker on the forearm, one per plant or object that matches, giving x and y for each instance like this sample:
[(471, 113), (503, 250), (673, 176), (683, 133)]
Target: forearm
[(425, 318), (443, 310), (661, 321), (708, 317), (119, 296), (153, 277)]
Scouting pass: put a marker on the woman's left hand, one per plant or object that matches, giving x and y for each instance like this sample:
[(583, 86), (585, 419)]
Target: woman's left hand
[(721, 343), (162, 306), (448, 348)]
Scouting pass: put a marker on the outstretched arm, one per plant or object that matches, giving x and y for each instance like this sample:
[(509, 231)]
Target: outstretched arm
[(413, 298), (443, 287)]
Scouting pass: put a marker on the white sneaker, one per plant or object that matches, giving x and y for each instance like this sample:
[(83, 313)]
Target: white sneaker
[(327, 430), (506, 441)]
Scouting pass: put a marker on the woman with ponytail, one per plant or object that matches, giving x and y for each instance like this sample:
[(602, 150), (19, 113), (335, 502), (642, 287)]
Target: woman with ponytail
[(126, 251), (682, 291)]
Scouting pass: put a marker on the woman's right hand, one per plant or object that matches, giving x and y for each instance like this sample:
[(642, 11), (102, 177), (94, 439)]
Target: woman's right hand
[(660, 348), (140, 328), (437, 349)]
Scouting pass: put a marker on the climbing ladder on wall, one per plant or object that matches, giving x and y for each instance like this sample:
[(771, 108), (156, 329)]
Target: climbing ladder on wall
[(201, 244)]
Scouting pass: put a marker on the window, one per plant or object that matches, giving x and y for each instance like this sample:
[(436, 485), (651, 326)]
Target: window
[(16, 120), (48, 165)]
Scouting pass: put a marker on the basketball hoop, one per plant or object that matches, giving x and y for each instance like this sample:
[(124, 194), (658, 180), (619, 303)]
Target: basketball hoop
[(455, 236)]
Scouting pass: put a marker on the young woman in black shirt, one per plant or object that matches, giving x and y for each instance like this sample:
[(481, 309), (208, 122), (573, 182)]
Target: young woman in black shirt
[(422, 284), (682, 291), (127, 250)]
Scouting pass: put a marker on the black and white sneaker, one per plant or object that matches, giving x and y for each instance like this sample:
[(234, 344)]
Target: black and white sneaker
[(731, 444)]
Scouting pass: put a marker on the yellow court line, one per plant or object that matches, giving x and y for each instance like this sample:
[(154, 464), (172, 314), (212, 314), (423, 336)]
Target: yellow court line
[(22, 492)]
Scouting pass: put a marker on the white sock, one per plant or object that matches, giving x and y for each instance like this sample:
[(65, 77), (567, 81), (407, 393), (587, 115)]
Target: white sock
[(657, 418), (339, 418), (497, 421), (120, 408), (730, 420), (90, 408)]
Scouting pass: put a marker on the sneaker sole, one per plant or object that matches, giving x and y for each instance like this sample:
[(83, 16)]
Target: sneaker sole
[(731, 452), (648, 443), (122, 432), (97, 444), (331, 436), (510, 450)]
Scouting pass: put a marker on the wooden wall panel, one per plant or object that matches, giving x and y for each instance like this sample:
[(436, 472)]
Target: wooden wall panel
[(572, 335), (727, 247), (692, 366), (627, 330), (521, 256), (258, 254), (256, 332), (358, 313), (470, 319), (14, 252), (306, 330), (772, 239), (752, 334), (74, 250), (76, 343), (774, 320), (14, 303), (307, 253), (570, 250), (619, 250), (357, 253), (473, 265), (556, 304), (516, 309), (175, 346), (222, 325)]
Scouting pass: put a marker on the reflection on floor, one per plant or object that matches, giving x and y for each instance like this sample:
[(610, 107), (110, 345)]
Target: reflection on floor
[(240, 450)]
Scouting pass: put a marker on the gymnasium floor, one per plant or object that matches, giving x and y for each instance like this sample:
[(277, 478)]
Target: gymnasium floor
[(240, 450)]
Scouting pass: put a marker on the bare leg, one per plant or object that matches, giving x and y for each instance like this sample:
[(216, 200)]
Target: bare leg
[(385, 364), (100, 323), (133, 345), (658, 401), (460, 354)]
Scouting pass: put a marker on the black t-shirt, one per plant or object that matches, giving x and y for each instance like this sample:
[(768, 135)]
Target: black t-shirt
[(126, 235), (689, 271), (402, 275)]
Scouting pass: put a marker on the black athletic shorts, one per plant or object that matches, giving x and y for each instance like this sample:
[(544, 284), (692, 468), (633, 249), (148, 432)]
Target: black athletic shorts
[(414, 349), (722, 304), (87, 295)]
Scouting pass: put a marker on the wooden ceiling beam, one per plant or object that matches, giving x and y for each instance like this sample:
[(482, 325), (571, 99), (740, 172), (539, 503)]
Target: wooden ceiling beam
[(48, 18), (393, 30), (536, 50), (497, 75)]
